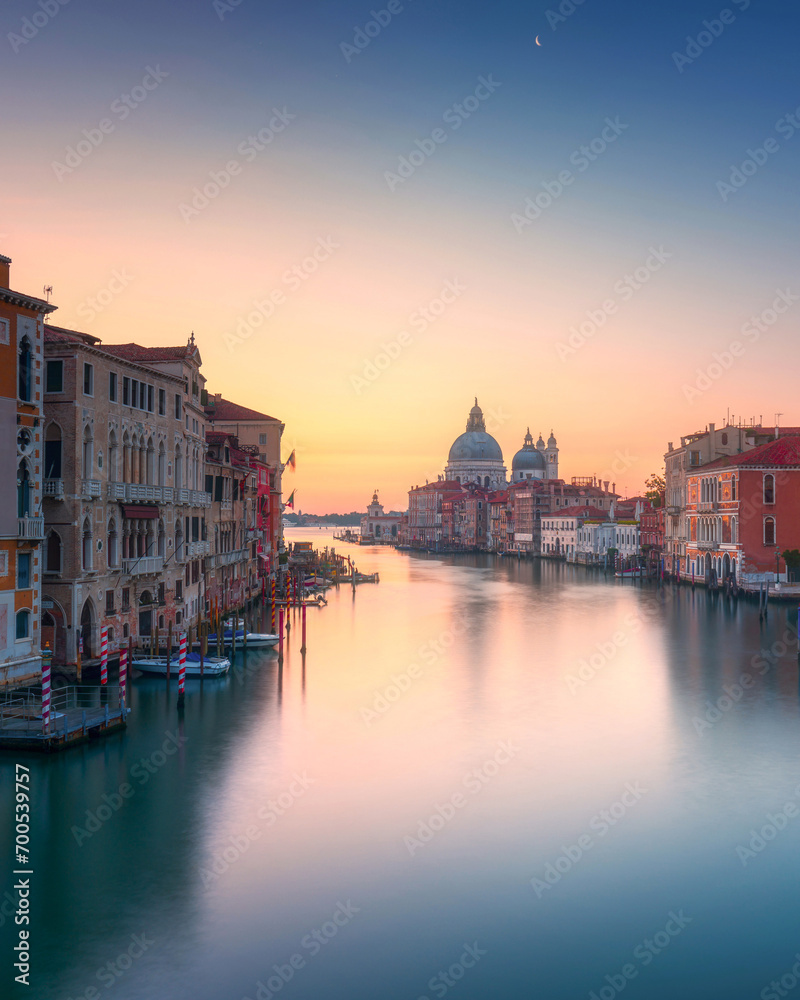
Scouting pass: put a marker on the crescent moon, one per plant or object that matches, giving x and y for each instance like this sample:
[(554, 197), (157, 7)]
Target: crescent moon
[(538, 42)]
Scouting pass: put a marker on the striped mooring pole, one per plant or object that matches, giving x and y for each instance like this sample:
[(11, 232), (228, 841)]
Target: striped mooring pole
[(123, 677), (104, 655), (182, 671), (272, 607), (45, 696)]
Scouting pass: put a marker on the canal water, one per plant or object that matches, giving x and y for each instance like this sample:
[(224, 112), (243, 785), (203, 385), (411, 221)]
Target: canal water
[(486, 779)]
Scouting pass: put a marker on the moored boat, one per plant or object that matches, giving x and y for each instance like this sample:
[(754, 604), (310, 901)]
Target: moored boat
[(213, 666)]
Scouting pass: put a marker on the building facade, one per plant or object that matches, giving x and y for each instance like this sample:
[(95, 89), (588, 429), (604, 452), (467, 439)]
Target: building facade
[(21, 472), (378, 526)]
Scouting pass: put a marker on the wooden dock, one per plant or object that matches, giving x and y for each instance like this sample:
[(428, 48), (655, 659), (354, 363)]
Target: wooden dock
[(78, 713)]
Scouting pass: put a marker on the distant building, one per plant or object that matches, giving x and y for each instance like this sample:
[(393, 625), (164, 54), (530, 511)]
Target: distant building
[(376, 525), (535, 461)]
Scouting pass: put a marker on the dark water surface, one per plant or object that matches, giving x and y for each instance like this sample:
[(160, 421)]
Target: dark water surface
[(367, 825)]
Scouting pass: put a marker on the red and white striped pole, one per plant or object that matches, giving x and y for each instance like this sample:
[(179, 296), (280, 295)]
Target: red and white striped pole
[(182, 666), (104, 655), (272, 606), (123, 677), (45, 696)]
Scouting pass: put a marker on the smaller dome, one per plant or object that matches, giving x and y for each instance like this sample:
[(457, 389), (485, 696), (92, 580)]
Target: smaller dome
[(551, 441), (528, 460), (540, 442)]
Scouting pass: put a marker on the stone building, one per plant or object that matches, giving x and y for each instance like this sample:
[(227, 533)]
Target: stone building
[(21, 445), (125, 504), (378, 526)]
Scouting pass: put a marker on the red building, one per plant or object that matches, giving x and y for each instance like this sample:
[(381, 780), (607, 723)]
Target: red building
[(743, 512), (651, 535)]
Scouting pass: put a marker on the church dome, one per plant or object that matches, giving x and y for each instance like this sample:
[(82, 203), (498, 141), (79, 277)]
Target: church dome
[(475, 444), (540, 442), (528, 459), (551, 441)]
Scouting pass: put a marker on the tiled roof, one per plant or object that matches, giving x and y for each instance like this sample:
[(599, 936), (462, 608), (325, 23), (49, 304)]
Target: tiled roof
[(216, 437), (59, 334), (784, 451), (225, 410), (135, 352), (580, 510)]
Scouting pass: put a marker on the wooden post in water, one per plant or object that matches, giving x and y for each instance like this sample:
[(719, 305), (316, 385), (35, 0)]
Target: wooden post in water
[(303, 614), (244, 631), (78, 665), (280, 636)]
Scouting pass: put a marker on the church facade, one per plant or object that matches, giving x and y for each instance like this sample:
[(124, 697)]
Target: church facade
[(476, 457)]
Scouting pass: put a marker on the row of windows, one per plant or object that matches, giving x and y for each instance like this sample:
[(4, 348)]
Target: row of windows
[(136, 394)]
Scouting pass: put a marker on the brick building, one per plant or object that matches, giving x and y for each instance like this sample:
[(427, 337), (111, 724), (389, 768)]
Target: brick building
[(21, 457)]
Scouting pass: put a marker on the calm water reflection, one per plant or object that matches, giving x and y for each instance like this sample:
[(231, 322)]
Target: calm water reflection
[(343, 827)]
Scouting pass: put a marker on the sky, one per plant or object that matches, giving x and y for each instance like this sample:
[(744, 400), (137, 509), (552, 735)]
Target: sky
[(369, 214)]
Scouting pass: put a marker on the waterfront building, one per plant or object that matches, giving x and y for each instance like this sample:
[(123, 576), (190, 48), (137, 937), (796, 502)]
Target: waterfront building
[(694, 451), (232, 564), (651, 534), (559, 531), (465, 519), (255, 430), (497, 537), (475, 456), (21, 464), (425, 512), (743, 513), (378, 526), (125, 507)]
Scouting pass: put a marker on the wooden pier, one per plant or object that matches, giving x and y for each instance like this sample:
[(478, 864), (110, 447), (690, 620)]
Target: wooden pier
[(78, 713)]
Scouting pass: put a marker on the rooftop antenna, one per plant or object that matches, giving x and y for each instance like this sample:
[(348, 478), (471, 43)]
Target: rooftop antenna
[(48, 291)]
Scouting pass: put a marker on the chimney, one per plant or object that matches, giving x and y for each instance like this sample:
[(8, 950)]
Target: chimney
[(5, 272), (606, 484), (711, 428)]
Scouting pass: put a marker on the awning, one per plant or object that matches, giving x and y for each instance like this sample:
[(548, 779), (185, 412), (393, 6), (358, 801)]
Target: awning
[(140, 510)]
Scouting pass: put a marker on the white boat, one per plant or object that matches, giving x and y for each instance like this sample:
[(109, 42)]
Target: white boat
[(256, 640), (630, 572), (213, 666)]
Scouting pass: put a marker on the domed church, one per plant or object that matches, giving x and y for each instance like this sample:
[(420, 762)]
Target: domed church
[(475, 456), (535, 461)]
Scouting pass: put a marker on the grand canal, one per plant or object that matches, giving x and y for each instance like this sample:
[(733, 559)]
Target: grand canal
[(486, 779)]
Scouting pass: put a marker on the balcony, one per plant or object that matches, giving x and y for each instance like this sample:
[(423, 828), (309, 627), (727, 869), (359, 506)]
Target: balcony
[(708, 505), (131, 492), (30, 529), (91, 489), (193, 498), (226, 505), (228, 558), (712, 546), (194, 550), (54, 488), (143, 566), (673, 511)]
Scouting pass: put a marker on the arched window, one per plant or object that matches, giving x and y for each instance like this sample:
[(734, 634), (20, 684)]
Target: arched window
[(24, 624), (86, 545), (178, 477), (178, 540), (733, 529), (769, 530), (113, 543), (733, 487), (52, 452), (162, 540), (150, 476), (162, 465), (113, 457), (23, 490), (53, 553), (769, 488), (88, 452), (25, 370), (126, 458)]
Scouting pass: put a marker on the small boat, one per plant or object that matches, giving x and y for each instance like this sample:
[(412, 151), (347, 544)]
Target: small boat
[(630, 572), (316, 582), (213, 666), (254, 639)]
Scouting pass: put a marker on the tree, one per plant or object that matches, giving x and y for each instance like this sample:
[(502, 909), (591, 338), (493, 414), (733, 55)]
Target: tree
[(655, 487)]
